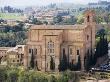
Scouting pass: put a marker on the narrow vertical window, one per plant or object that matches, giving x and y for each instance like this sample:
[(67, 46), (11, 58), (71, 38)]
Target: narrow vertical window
[(88, 19), (77, 52)]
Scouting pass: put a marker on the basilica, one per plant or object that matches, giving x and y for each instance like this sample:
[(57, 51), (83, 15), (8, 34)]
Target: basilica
[(46, 42)]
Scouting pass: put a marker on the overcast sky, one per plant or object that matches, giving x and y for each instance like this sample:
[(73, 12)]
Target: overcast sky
[(41, 2)]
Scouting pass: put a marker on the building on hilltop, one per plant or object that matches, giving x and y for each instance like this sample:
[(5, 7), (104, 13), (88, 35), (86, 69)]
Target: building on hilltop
[(52, 41)]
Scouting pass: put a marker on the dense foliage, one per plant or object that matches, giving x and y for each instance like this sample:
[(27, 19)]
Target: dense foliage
[(52, 64), (11, 36), (19, 75), (67, 21), (65, 64), (101, 50), (102, 45), (32, 61)]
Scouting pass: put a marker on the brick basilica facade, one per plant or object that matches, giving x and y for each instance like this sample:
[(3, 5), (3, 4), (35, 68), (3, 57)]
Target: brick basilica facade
[(52, 41)]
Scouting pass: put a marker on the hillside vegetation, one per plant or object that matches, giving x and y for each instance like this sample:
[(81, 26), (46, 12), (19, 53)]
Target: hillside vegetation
[(11, 36)]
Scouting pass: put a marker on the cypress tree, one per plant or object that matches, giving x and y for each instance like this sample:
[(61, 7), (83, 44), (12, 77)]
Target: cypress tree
[(32, 60), (102, 45), (60, 64), (52, 64), (94, 60), (87, 63), (79, 63), (71, 66), (63, 63), (106, 46)]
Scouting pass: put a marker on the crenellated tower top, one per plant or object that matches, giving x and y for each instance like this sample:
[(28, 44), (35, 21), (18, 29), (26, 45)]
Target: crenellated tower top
[(89, 17)]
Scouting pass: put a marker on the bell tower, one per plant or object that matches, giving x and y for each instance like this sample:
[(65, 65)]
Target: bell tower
[(89, 20), (89, 17)]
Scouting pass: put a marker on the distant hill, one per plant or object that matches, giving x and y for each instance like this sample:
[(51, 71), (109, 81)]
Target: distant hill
[(67, 5)]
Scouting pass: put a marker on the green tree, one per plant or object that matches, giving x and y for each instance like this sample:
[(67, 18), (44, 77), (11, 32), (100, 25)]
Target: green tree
[(53, 79), (63, 63), (39, 23), (87, 61), (98, 19), (34, 21), (70, 21), (23, 76), (12, 76), (3, 75), (102, 45), (79, 63), (75, 67), (52, 64), (80, 20), (58, 19), (106, 19), (45, 22), (32, 60)]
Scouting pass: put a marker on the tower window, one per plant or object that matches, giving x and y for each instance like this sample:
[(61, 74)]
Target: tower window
[(77, 52), (88, 19)]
